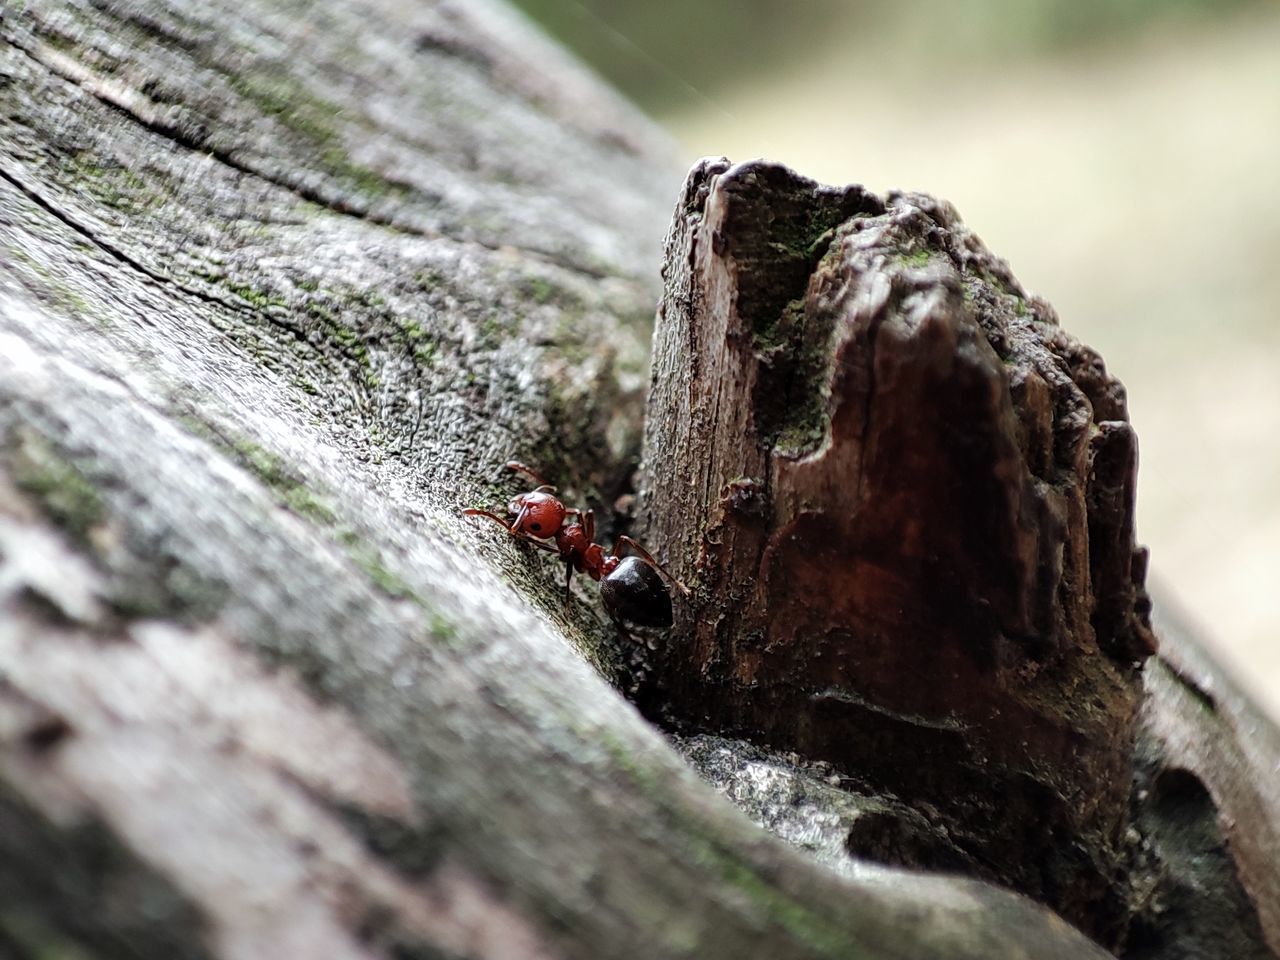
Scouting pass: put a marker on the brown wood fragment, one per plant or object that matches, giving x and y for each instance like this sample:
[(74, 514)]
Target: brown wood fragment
[(905, 496)]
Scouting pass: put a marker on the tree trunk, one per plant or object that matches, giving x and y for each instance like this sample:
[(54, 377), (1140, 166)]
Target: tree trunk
[(281, 287)]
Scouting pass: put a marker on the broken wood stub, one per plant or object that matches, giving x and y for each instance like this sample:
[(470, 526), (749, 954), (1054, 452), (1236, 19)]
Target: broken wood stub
[(904, 497)]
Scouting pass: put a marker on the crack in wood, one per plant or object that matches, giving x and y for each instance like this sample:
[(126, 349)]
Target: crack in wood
[(140, 108)]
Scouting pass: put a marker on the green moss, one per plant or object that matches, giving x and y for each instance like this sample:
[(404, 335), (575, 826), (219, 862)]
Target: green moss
[(306, 386), (36, 940), (351, 342), (791, 394), (292, 104), (819, 245), (293, 494), (1002, 284), (646, 781), (110, 183), (320, 311), (803, 238), (425, 352), (774, 333), (916, 258), (259, 299), (288, 101), (286, 486), (426, 355), (63, 491), (492, 331), (72, 45), (109, 194), (363, 179), (541, 290), (384, 579), (53, 286), (389, 582), (804, 432), (304, 503), (442, 628), (807, 926)]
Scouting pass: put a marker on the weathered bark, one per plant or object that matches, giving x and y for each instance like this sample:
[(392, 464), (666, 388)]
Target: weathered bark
[(281, 286), (1207, 808), (904, 496)]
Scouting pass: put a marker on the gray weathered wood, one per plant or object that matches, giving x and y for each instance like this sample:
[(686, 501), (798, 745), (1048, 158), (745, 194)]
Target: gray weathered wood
[(281, 287)]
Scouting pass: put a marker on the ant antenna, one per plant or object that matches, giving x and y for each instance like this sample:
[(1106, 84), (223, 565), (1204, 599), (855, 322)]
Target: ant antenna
[(532, 474)]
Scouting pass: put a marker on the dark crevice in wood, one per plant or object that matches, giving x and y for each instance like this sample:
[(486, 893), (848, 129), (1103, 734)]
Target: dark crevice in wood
[(1190, 902), (101, 898), (108, 248)]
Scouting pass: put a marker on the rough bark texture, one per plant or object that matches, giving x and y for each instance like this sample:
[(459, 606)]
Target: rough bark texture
[(281, 287), (905, 498), (1207, 807)]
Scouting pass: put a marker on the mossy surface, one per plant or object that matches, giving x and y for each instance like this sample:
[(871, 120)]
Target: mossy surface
[(370, 561), (791, 399), (818, 931), (293, 493), (62, 487), (51, 284), (915, 258), (284, 481), (114, 185), (821, 934)]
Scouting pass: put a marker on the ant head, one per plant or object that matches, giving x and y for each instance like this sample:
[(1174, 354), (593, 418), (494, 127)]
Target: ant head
[(538, 514)]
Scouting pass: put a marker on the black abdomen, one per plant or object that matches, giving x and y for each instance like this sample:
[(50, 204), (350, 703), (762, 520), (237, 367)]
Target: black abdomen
[(634, 595)]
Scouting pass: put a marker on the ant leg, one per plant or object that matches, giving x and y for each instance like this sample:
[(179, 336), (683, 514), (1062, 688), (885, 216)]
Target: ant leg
[(624, 540), (476, 512), (568, 578), (540, 544), (589, 525), (533, 475)]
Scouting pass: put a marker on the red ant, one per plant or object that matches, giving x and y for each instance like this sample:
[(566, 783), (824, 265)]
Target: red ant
[(630, 588)]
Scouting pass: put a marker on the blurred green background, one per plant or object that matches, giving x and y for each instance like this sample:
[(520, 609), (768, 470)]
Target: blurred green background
[(1123, 155), (665, 53)]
